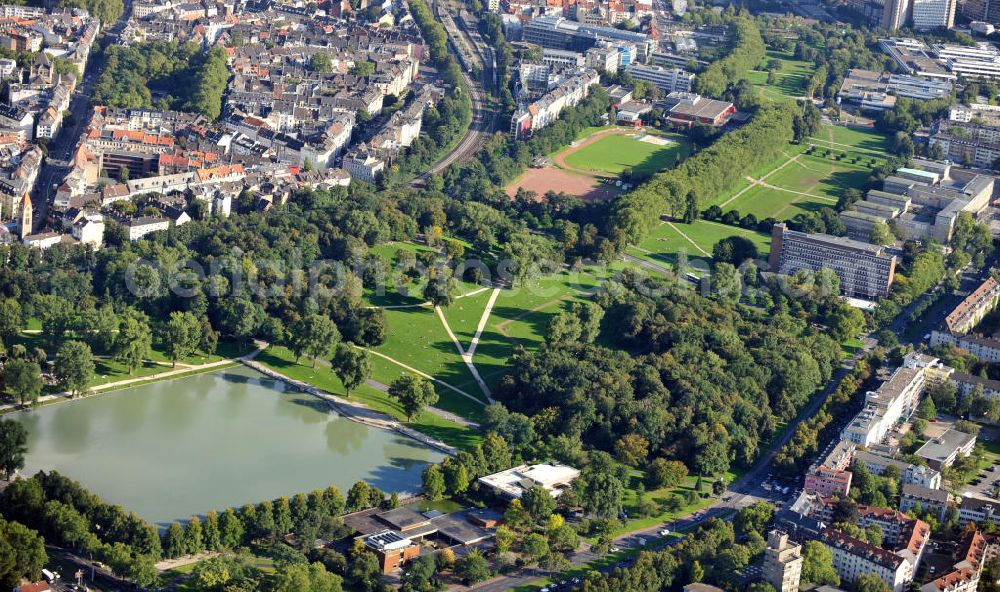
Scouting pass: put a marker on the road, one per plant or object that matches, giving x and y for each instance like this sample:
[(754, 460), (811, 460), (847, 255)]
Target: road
[(742, 493), (912, 333), (55, 166)]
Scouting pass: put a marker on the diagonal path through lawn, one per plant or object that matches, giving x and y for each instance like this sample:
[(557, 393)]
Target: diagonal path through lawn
[(688, 239), (466, 356), (422, 374)]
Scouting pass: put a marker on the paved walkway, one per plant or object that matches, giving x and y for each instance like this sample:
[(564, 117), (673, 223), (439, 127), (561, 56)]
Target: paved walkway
[(182, 369), (466, 357), (423, 374), (379, 386), (184, 560), (483, 320), (753, 182), (354, 410)]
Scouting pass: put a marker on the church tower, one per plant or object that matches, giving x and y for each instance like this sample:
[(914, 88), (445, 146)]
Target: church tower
[(25, 217)]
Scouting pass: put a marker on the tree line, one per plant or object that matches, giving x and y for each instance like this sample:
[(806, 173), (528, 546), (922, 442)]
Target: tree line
[(703, 384), (746, 53), (703, 176), (66, 514)]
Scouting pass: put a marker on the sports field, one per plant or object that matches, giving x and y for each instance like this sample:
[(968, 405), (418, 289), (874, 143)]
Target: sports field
[(641, 152), (598, 156)]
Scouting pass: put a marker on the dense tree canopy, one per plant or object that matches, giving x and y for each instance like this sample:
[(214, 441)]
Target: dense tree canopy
[(702, 384)]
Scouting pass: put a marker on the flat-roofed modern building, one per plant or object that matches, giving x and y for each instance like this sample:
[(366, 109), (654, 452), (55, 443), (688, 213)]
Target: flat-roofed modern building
[(933, 14), (666, 79), (561, 33), (392, 549), (944, 450), (512, 483), (893, 402), (864, 269)]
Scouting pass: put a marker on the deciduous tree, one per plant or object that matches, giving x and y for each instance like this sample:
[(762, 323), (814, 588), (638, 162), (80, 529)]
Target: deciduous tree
[(74, 367), (413, 393)]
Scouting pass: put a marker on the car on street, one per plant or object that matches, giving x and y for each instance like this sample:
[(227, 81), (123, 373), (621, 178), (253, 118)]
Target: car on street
[(664, 532)]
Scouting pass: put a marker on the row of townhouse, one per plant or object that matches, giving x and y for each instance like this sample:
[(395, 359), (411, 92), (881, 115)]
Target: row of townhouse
[(544, 111)]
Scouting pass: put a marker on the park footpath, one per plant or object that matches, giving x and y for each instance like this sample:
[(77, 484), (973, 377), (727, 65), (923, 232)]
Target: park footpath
[(353, 410), (95, 390)]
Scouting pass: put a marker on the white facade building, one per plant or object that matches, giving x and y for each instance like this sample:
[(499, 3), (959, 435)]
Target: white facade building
[(893, 402), (933, 14)]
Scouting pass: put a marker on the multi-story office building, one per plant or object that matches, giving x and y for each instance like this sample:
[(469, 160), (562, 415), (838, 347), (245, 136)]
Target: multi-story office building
[(666, 79), (864, 269), (896, 14), (933, 14), (782, 562), (560, 33)]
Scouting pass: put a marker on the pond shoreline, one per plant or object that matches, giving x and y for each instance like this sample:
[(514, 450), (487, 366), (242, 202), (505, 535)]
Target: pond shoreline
[(351, 410)]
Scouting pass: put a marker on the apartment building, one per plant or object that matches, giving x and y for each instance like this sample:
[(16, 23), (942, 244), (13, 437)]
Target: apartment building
[(985, 348), (782, 562), (863, 269), (935, 500), (363, 165), (853, 557), (977, 509), (828, 482), (969, 557), (893, 402), (959, 323), (912, 474), (544, 111), (971, 310)]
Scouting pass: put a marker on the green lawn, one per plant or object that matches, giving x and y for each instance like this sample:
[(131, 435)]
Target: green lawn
[(417, 338), (463, 316), (106, 369), (664, 244), (861, 138), (814, 181), (522, 314), (614, 153), (282, 360), (791, 77)]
